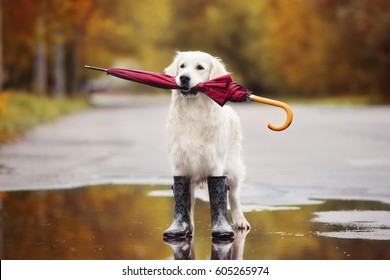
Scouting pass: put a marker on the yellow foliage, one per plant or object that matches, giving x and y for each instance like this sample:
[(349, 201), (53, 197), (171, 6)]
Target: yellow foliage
[(296, 43), (303, 46), (3, 103)]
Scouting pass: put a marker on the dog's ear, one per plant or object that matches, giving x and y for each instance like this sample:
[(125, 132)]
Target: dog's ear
[(217, 68), (172, 69)]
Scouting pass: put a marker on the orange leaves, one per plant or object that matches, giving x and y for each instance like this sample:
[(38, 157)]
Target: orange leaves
[(3, 103), (309, 47), (296, 43), (4, 135)]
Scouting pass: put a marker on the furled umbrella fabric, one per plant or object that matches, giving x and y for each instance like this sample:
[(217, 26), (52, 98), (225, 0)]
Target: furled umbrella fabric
[(158, 80), (220, 89), (223, 89)]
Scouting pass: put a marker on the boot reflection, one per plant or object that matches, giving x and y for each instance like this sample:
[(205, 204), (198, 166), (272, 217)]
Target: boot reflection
[(183, 248), (221, 249)]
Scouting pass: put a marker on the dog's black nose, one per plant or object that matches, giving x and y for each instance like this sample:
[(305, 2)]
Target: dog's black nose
[(185, 79)]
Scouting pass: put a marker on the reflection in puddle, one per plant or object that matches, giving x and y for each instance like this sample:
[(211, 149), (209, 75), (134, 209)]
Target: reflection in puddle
[(125, 222), (221, 249)]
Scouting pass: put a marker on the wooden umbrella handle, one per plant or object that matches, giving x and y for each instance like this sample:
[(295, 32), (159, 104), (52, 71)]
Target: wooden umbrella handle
[(276, 103)]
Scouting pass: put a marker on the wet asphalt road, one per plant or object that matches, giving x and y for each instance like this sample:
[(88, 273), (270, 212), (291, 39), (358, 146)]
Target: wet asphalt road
[(329, 152)]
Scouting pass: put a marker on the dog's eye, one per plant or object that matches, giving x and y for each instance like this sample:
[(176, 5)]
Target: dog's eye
[(182, 65), (200, 67)]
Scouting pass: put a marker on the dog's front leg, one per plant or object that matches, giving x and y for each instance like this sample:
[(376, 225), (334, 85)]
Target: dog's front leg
[(239, 220), (181, 225)]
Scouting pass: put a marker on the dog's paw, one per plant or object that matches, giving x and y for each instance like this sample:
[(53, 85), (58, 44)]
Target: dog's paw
[(241, 223)]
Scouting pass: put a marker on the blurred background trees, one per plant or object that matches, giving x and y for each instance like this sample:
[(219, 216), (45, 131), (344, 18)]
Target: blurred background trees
[(1, 47), (299, 48)]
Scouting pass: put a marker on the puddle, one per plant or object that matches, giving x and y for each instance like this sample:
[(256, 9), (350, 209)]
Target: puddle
[(359, 224), (127, 222)]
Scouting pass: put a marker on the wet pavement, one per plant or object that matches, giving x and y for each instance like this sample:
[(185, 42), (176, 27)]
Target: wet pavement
[(89, 185), (127, 222)]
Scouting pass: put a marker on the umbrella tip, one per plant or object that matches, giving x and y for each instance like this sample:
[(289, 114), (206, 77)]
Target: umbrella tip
[(95, 68)]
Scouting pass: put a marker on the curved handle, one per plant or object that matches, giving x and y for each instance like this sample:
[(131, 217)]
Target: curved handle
[(276, 103)]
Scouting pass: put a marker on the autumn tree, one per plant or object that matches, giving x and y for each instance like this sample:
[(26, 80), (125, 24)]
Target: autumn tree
[(52, 40), (362, 29), (327, 47), (296, 47), (19, 41), (235, 33), (40, 57), (229, 29)]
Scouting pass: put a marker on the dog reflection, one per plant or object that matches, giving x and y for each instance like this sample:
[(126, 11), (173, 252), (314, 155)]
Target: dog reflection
[(221, 249)]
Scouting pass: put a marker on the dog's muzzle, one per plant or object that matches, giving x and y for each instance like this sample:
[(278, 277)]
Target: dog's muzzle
[(185, 86), (188, 91)]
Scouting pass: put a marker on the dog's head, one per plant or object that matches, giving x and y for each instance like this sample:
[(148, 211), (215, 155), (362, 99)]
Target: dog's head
[(193, 67)]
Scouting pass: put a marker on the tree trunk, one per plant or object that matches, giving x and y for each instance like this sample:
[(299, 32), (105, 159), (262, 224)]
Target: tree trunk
[(40, 73), (75, 63), (59, 64)]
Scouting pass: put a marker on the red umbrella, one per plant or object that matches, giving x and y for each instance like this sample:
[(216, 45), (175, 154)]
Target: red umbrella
[(220, 89), (158, 80), (223, 89)]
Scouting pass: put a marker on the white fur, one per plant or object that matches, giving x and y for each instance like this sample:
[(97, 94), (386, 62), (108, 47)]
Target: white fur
[(204, 138)]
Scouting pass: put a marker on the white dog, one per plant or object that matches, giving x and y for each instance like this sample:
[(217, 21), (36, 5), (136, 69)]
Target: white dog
[(204, 141)]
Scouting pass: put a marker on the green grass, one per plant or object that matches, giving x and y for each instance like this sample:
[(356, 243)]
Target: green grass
[(21, 111)]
